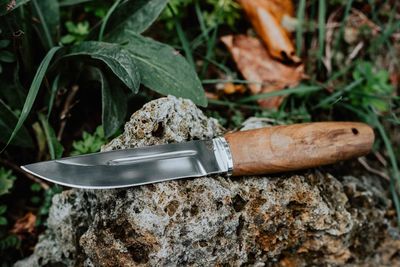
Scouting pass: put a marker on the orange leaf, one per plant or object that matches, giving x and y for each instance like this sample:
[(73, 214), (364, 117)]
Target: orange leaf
[(256, 65), (266, 17), (25, 224), (230, 88)]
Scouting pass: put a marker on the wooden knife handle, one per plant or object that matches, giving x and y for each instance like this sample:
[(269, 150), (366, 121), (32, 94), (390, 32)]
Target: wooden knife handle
[(298, 146)]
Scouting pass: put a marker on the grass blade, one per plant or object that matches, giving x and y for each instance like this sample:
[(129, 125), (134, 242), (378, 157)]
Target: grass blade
[(219, 65), (182, 37), (395, 175), (214, 81), (7, 121), (321, 28), (200, 18), (46, 31), (199, 39), (343, 25), (54, 88), (210, 51), (106, 18), (67, 3), (232, 105), (300, 23), (301, 89), (55, 148), (335, 96), (33, 91)]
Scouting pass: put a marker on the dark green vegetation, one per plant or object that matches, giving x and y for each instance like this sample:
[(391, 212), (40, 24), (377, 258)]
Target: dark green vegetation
[(68, 66)]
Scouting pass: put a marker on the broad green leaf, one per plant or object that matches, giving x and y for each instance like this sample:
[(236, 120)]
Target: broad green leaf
[(114, 102), (9, 5), (135, 15), (33, 91), (162, 68), (48, 14), (114, 107), (55, 148), (7, 122), (118, 59)]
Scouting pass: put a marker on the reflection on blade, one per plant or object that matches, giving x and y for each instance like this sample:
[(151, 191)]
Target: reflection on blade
[(123, 168)]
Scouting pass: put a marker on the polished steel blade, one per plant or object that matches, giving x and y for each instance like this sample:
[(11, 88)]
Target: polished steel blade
[(132, 167)]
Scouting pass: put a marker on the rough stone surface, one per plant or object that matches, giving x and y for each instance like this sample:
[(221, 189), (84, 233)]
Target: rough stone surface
[(309, 218)]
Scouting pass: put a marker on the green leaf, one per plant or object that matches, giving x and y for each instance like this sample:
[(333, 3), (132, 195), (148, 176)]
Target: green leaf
[(162, 68), (321, 27), (4, 43), (7, 56), (7, 6), (54, 89), (135, 15), (67, 39), (114, 105), (65, 3), (119, 60), (183, 39), (48, 14), (12, 91), (301, 10), (36, 187), (36, 200), (55, 148), (90, 143), (6, 181), (80, 28), (3, 221), (7, 122), (106, 18), (3, 209), (33, 91)]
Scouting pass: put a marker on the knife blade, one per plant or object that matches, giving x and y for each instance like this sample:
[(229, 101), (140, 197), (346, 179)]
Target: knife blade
[(261, 151)]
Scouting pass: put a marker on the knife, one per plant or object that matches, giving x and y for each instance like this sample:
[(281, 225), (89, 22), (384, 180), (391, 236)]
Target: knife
[(253, 152)]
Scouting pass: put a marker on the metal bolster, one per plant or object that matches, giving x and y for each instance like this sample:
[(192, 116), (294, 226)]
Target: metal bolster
[(223, 155)]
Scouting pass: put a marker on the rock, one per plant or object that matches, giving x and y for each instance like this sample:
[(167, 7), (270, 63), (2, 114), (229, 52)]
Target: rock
[(308, 218), (167, 120)]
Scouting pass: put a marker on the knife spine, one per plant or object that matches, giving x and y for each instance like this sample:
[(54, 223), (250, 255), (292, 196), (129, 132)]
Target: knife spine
[(223, 155)]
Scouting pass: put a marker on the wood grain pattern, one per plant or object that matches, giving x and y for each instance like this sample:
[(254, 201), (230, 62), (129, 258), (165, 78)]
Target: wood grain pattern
[(298, 146)]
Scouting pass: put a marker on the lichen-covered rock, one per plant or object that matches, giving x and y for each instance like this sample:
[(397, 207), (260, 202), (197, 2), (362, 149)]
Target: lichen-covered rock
[(309, 218), (168, 120)]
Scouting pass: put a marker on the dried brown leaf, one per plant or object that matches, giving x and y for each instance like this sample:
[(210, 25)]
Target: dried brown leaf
[(25, 224), (265, 73), (267, 18), (230, 88)]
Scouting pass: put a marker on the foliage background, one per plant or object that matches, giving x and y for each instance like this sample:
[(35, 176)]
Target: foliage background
[(71, 71)]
